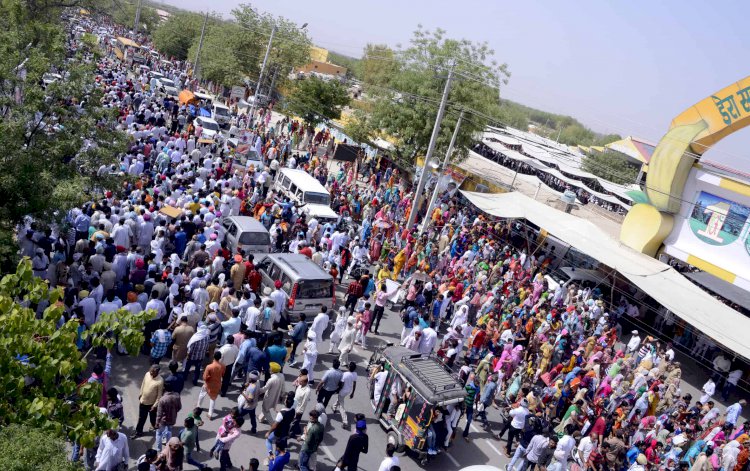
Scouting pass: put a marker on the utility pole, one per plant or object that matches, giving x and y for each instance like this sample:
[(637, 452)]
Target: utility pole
[(446, 161), (273, 80), (200, 46), (512, 183), (137, 16), (430, 149), (262, 72)]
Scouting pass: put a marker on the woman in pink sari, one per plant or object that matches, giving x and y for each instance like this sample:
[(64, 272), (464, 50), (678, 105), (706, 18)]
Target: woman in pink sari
[(538, 287), (504, 363), (596, 356), (516, 356), (375, 247), (605, 389)]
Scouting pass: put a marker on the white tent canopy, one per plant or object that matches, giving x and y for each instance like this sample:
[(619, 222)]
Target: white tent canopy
[(559, 156), (540, 166), (660, 281)]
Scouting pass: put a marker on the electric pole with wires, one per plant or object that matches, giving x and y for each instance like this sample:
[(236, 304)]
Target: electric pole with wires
[(416, 203)]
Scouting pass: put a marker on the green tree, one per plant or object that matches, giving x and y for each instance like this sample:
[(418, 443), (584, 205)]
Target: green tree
[(290, 48), (123, 13), (359, 128), (233, 51), (612, 166), (48, 452), (54, 137), (219, 61), (606, 139), (576, 134), (512, 116), (40, 367), (353, 65), (407, 106), (316, 100), (175, 36), (379, 65)]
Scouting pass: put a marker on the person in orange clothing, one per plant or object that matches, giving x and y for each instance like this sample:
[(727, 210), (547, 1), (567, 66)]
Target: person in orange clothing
[(212, 383)]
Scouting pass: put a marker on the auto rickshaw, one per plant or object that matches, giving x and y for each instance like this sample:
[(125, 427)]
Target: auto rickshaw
[(414, 386)]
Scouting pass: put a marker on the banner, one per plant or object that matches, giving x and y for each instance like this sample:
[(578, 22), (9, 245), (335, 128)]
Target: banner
[(712, 229)]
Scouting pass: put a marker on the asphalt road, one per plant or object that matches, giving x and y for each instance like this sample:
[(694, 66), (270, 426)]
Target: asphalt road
[(128, 372)]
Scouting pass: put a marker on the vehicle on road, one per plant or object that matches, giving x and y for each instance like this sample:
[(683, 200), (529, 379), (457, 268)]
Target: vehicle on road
[(243, 156), (303, 189), (307, 286), (171, 92), (165, 82), (221, 114), (210, 127), (424, 384), (247, 233)]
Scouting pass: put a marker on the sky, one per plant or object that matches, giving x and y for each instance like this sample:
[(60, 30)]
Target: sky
[(618, 67)]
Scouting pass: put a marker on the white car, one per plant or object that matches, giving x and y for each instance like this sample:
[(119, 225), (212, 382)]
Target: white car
[(210, 127), (165, 82), (171, 92)]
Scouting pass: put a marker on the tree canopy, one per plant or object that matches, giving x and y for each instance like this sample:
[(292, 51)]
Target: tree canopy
[(233, 51), (123, 13), (612, 166), (176, 35), (407, 96), (353, 65), (48, 452), (316, 100), (40, 366), (54, 136)]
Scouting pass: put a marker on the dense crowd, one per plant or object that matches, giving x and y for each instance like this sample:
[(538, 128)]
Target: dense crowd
[(549, 371)]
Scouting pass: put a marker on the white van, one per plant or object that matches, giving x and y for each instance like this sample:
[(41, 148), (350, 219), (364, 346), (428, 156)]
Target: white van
[(247, 233), (302, 188), (307, 286), (221, 114)]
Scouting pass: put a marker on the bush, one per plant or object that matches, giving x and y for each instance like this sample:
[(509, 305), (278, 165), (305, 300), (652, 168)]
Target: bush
[(24, 448)]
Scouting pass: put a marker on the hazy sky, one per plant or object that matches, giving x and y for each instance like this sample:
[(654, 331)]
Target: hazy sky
[(625, 67)]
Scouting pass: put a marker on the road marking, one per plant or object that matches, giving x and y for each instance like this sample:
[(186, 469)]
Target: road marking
[(453, 460), (488, 441), (493, 447), (328, 453)]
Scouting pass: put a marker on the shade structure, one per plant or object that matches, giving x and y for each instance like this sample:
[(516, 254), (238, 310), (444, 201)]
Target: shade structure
[(657, 279)]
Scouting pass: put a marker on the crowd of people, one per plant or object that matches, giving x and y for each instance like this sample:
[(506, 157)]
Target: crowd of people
[(549, 371)]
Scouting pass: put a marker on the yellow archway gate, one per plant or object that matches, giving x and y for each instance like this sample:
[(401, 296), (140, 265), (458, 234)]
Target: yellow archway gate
[(690, 135)]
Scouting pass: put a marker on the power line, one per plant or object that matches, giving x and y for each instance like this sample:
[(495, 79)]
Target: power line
[(478, 79), (457, 107), (688, 152)]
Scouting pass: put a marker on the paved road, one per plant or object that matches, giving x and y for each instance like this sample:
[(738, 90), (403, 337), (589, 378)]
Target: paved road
[(128, 372), (482, 449)]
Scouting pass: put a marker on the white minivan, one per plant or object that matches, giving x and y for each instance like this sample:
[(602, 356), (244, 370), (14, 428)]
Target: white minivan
[(303, 188), (247, 233), (221, 114)]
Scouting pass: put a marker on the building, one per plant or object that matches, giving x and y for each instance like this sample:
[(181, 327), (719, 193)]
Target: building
[(320, 66)]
